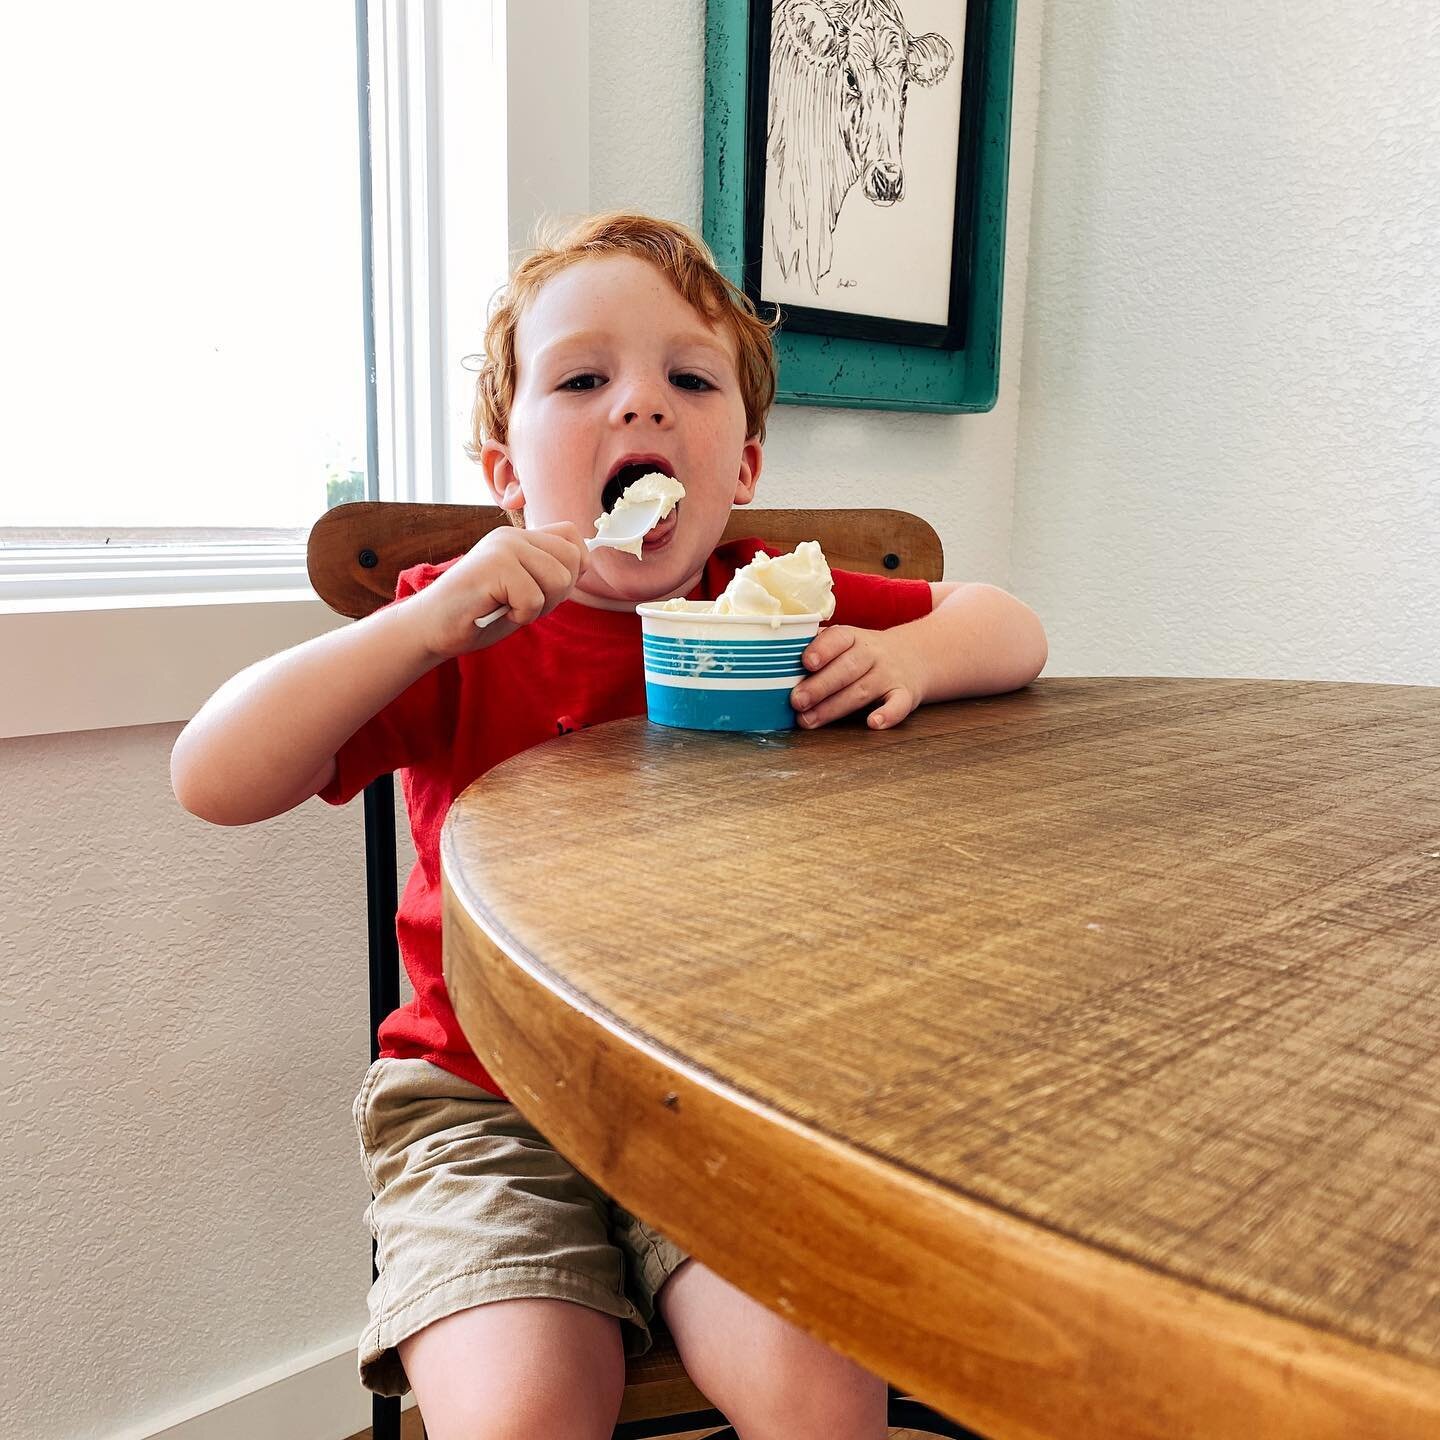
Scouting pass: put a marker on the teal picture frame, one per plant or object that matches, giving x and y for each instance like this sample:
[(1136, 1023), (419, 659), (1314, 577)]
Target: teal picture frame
[(842, 371)]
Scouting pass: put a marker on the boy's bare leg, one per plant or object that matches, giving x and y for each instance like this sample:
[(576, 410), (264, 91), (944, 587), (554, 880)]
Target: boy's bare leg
[(772, 1380), (518, 1369)]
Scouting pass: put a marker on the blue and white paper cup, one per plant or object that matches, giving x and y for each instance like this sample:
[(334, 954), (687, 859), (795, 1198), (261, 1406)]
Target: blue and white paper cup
[(722, 672)]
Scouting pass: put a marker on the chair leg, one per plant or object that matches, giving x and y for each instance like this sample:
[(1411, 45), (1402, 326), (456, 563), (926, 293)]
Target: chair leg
[(908, 1414), (903, 1414), (380, 894), (385, 1417), (674, 1425), (381, 887)]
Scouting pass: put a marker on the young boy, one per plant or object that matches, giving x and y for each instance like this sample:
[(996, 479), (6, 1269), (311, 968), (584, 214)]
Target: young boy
[(510, 1287)]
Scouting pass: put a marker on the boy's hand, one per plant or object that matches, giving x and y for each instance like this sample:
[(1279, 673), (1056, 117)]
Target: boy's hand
[(531, 571), (851, 668)]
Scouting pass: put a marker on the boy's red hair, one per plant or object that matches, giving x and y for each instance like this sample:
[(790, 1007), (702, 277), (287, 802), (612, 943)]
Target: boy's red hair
[(679, 254)]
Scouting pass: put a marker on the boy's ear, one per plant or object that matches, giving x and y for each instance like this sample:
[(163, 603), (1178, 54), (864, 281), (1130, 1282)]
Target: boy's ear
[(752, 457), (500, 476)]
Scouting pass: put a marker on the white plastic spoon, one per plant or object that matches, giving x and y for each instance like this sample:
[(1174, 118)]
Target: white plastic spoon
[(629, 523), (631, 526)]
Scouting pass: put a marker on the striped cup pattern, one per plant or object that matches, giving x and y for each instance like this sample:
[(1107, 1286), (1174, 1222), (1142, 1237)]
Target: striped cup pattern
[(722, 672)]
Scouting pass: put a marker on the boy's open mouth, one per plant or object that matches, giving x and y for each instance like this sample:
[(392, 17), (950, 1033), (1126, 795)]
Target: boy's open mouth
[(627, 474)]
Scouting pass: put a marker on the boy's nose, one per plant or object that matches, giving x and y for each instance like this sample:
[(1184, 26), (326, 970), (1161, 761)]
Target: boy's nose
[(642, 401)]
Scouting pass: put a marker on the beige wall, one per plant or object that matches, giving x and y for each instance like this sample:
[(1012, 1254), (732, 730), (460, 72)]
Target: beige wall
[(1229, 457), (184, 1026)]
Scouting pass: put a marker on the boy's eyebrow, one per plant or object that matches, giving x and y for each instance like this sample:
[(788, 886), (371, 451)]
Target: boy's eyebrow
[(580, 339), (577, 338)]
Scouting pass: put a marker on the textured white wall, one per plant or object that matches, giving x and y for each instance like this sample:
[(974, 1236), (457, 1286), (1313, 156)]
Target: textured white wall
[(955, 470), (183, 1029), (1229, 458)]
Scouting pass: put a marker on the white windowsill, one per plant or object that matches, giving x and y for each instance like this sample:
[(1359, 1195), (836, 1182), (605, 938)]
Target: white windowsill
[(97, 662), (33, 575)]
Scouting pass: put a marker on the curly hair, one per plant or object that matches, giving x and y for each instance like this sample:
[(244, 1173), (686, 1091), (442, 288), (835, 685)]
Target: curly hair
[(679, 254)]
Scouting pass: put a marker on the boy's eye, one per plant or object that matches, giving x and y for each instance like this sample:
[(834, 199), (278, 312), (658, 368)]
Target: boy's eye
[(587, 381), (687, 380)]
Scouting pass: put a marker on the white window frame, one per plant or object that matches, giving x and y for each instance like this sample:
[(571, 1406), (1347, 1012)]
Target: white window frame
[(93, 637)]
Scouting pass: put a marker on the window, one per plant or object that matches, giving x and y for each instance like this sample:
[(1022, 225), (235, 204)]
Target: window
[(438, 141), (183, 348), (185, 321)]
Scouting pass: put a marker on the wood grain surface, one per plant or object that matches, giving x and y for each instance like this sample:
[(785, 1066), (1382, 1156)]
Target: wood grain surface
[(656, 1383), (1069, 1057), (355, 551)]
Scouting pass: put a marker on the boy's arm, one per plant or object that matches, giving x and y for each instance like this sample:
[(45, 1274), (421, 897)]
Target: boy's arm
[(977, 640), (267, 739)]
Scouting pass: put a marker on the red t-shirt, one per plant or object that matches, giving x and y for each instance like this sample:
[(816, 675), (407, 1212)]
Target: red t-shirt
[(577, 666)]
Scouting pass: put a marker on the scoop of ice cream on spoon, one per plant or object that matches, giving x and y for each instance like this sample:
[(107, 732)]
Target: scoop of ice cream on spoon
[(643, 505)]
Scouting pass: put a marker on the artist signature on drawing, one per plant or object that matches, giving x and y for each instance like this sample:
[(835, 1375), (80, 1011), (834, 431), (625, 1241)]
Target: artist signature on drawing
[(846, 284)]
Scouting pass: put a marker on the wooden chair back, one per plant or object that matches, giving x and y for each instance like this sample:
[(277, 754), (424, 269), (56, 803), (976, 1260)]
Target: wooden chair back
[(357, 550)]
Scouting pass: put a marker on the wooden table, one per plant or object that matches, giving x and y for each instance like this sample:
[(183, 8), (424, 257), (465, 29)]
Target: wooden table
[(1070, 1058)]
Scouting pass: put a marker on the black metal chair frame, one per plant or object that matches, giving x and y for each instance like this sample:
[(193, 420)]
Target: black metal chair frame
[(381, 903)]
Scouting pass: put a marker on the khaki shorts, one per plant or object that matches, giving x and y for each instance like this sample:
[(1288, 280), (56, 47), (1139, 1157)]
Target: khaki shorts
[(472, 1205)]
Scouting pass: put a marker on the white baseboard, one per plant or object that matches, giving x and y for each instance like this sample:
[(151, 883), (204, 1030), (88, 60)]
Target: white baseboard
[(316, 1396)]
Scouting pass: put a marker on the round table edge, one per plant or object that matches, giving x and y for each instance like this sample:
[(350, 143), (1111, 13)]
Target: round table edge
[(1014, 1322)]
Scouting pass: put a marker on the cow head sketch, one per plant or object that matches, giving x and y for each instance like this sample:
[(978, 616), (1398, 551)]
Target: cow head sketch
[(870, 60)]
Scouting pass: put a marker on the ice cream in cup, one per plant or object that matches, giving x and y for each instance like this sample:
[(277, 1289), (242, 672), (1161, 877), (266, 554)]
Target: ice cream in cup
[(731, 663)]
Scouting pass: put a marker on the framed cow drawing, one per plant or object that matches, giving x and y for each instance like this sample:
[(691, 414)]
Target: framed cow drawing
[(855, 173), (860, 166)]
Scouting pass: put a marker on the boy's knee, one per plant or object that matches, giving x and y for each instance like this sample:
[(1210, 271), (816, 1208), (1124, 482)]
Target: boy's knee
[(518, 1369), (834, 1401), (771, 1379), (523, 1414)]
